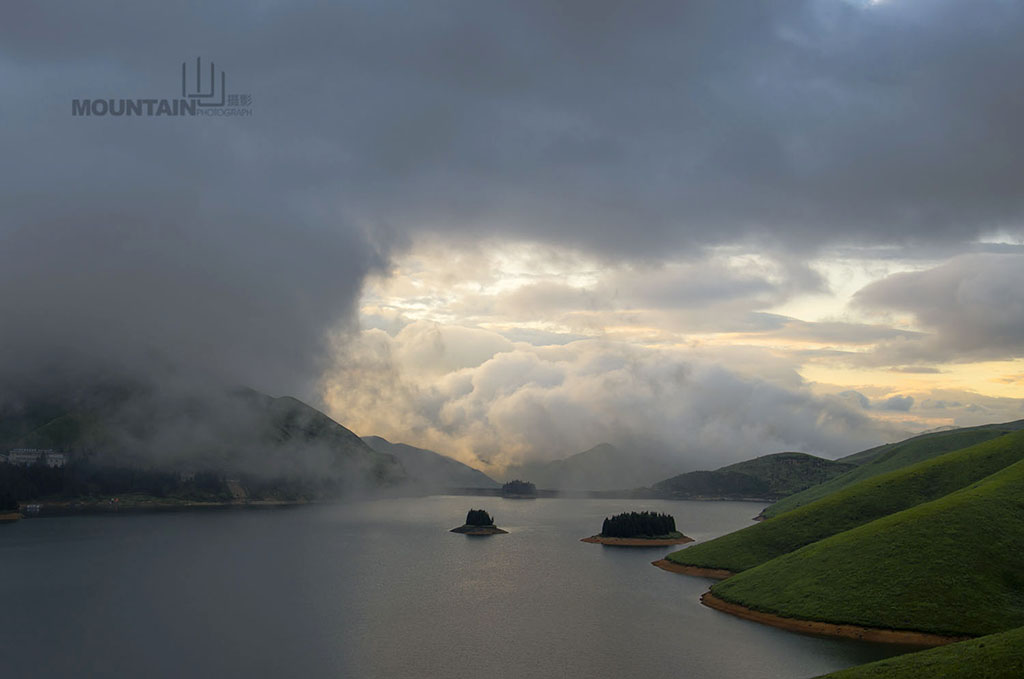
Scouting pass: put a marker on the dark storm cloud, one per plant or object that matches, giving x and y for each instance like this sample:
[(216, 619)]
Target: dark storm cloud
[(708, 285), (135, 294), (627, 130)]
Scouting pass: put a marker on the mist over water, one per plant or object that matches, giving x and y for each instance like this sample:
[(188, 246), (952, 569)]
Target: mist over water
[(380, 589)]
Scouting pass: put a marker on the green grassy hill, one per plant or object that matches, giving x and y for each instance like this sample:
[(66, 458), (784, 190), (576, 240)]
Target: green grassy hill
[(951, 566), (70, 430), (996, 656), (889, 457), (767, 476), (869, 454), (787, 473), (856, 505), (711, 485)]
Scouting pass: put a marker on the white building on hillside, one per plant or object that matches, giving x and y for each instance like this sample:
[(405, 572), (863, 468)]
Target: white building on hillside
[(27, 456)]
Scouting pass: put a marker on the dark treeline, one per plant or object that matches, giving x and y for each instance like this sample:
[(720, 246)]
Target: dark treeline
[(634, 524), (518, 487), (291, 488), (83, 478), (479, 517)]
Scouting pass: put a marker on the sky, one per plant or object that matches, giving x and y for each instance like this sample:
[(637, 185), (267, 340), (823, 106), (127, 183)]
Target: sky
[(512, 231)]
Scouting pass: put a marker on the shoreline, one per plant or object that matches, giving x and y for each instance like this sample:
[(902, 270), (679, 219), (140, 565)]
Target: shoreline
[(43, 510), (828, 629), (636, 542), (696, 571), (621, 494), (10, 517), (478, 531)]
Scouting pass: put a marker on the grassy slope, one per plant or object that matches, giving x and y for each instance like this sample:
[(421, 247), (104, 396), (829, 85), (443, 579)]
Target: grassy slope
[(854, 506), (869, 454), (67, 431), (997, 656), (790, 472), (895, 456), (950, 566)]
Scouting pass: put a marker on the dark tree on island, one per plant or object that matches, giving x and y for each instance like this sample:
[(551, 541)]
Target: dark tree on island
[(479, 517), (478, 522), (518, 487), (638, 524)]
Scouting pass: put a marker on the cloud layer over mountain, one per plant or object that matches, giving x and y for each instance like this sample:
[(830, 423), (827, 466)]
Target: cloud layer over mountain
[(517, 401)]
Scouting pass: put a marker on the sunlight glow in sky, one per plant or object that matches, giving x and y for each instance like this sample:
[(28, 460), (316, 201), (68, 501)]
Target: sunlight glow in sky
[(767, 318)]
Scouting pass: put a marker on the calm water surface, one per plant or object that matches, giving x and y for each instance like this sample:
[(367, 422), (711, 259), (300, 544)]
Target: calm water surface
[(379, 589)]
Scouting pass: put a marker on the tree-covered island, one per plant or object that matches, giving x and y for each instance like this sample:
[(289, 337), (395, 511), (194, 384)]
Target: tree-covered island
[(519, 489), (639, 529), (478, 522)]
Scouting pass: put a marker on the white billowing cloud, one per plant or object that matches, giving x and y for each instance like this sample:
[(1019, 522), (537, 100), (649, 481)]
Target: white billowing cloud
[(430, 350), (525, 402), (973, 307)]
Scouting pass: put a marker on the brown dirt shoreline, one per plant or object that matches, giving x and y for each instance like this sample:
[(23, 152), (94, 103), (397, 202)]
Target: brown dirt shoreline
[(874, 634), (476, 531), (9, 517), (636, 542), (697, 571)]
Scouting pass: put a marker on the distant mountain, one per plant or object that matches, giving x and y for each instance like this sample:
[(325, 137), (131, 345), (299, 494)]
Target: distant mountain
[(768, 476), (429, 469), (603, 467), (240, 432)]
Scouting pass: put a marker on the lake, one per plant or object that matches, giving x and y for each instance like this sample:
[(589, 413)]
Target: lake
[(380, 589)]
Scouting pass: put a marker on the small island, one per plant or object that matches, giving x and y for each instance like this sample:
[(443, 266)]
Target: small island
[(639, 529), (478, 522), (519, 490)]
